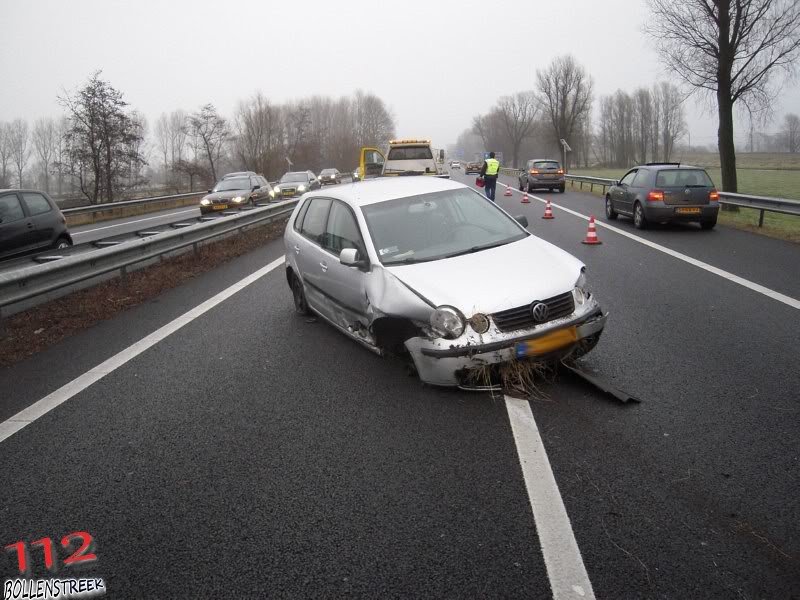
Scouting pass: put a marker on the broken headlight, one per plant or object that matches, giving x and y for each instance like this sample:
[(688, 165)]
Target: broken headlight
[(579, 292), (447, 322)]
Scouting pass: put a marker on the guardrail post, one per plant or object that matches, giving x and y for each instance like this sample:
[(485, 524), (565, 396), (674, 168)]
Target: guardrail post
[(581, 183), (591, 186), (761, 218)]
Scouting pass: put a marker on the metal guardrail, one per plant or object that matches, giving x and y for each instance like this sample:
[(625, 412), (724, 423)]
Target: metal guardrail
[(114, 205), (762, 204), (38, 280)]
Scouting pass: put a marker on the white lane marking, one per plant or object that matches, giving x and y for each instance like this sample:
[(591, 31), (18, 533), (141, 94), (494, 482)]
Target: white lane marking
[(788, 300), (180, 212), (562, 558), (28, 415)]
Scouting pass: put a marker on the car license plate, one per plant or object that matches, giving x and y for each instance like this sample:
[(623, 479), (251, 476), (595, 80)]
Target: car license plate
[(548, 176), (220, 206), (688, 211), (548, 343)]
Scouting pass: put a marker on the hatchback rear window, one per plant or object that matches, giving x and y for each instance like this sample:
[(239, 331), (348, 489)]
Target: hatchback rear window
[(683, 178), (410, 153), (546, 164)]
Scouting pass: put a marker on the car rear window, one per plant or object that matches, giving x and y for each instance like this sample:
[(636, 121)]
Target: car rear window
[(410, 153), (546, 164), (683, 178)]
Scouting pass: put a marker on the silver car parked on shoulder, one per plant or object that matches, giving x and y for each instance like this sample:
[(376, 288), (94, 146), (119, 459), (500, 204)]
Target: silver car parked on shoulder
[(430, 268)]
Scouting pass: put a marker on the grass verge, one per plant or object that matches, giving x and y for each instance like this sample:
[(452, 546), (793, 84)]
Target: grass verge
[(31, 331)]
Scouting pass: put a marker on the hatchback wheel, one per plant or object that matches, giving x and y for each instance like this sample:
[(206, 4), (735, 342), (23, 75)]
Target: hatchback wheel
[(62, 244), (639, 220), (610, 212), (300, 304), (708, 225)]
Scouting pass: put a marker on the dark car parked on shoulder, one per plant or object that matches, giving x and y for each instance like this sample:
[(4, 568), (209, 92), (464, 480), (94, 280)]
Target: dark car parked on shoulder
[(663, 193), (30, 221), (235, 190)]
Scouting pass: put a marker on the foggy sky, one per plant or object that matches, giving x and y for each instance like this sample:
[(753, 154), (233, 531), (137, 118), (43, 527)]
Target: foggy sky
[(436, 63)]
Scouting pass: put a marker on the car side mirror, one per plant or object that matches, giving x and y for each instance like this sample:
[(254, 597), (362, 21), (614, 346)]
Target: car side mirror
[(210, 192), (522, 220), (349, 258), (255, 187)]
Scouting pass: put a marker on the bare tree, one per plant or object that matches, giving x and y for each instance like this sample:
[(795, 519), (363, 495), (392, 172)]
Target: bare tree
[(211, 131), (20, 151), (163, 142), (731, 49), (672, 118), (5, 154), (45, 141), (103, 140), (517, 113), (643, 117), (566, 93), (374, 121), (791, 132)]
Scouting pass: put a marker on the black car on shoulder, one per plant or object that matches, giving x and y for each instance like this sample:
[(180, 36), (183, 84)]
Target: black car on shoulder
[(30, 221), (664, 193)]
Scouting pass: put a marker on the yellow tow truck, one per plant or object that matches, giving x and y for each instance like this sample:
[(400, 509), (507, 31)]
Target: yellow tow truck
[(404, 157)]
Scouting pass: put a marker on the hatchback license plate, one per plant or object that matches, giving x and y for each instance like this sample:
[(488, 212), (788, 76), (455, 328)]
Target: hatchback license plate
[(548, 343), (688, 211), (220, 206)]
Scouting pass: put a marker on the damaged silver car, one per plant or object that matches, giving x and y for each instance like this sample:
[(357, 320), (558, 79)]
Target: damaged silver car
[(431, 269)]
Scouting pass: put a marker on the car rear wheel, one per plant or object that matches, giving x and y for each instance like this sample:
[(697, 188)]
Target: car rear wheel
[(639, 220), (300, 304), (62, 243), (708, 225), (611, 214)]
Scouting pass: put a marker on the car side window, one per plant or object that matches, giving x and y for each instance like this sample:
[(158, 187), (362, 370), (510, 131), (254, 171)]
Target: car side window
[(36, 203), (298, 222), (641, 178), (10, 209), (342, 230), (316, 219), (628, 179)]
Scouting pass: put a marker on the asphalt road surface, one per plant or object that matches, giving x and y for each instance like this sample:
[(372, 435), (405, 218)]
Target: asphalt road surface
[(244, 451)]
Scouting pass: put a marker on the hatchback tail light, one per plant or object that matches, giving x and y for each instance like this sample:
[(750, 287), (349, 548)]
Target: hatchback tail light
[(561, 171), (534, 171), (655, 196), (713, 196)]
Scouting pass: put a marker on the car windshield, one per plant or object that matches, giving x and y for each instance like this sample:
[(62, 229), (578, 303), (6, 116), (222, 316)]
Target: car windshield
[(410, 153), (437, 225), (294, 178), (545, 164), (683, 178), (328, 172), (236, 183)]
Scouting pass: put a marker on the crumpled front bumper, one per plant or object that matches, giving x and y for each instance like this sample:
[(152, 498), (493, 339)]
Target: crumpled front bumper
[(439, 361)]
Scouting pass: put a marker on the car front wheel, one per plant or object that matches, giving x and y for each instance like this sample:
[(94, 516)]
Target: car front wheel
[(610, 212), (639, 220), (62, 243)]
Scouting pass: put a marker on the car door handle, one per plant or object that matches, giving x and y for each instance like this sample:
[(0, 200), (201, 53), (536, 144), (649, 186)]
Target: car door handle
[(324, 266), (296, 249), (30, 225)]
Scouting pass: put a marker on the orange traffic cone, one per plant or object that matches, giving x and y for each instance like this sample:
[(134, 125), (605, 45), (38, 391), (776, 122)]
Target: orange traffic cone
[(591, 234), (508, 191), (548, 212), (525, 199)]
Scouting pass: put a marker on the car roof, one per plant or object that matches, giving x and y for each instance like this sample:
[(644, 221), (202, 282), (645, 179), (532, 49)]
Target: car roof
[(662, 166), (239, 174), (543, 160), (380, 189)]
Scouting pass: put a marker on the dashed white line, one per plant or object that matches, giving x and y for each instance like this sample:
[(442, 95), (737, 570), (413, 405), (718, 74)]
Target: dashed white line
[(751, 285), (562, 557), (40, 408), (180, 212)]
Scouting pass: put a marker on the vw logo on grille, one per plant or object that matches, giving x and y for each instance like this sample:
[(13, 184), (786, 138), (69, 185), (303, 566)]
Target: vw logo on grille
[(539, 311)]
